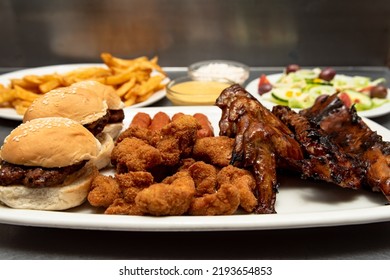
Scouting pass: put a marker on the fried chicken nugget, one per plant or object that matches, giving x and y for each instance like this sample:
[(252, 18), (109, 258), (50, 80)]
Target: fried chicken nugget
[(223, 202), (173, 196), (204, 176), (132, 183), (215, 150), (177, 139), (244, 181), (133, 154), (139, 132), (104, 190), (121, 207)]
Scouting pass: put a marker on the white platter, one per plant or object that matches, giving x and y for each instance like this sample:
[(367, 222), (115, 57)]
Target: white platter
[(9, 113), (252, 88), (299, 203)]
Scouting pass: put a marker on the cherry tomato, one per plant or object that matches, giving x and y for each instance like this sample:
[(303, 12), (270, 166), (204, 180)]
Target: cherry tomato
[(346, 100), (264, 85)]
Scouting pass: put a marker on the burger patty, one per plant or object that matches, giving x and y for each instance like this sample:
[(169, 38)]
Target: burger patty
[(97, 126), (35, 177), (116, 116)]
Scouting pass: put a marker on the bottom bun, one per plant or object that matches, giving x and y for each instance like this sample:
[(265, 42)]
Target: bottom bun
[(51, 198), (103, 159), (113, 129)]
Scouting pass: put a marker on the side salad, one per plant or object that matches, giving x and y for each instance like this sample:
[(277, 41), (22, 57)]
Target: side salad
[(299, 88)]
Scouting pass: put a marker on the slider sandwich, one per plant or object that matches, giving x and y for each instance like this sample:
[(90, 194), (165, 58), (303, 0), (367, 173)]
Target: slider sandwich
[(81, 105), (46, 164), (114, 104)]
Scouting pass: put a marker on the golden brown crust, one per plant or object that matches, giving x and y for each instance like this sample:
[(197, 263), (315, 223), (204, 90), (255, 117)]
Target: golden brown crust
[(78, 104), (49, 142), (105, 92)]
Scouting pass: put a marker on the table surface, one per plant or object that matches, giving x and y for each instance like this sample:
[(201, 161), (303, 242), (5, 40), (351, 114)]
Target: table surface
[(366, 241)]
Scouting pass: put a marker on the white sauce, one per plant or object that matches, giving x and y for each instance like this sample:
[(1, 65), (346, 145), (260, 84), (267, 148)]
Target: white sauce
[(221, 70)]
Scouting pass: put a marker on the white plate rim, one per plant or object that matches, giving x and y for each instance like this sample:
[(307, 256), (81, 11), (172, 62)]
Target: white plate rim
[(10, 113), (252, 86), (86, 217)]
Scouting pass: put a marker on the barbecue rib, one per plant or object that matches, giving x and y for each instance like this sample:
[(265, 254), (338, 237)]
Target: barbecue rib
[(347, 130), (262, 142), (323, 159)]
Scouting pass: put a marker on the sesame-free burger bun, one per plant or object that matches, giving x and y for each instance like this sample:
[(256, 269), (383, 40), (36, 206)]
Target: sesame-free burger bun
[(78, 104), (49, 142)]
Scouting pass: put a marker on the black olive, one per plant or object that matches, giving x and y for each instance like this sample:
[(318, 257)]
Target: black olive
[(378, 92), (292, 68), (327, 74), (264, 88)]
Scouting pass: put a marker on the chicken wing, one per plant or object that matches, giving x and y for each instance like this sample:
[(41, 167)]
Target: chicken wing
[(262, 142)]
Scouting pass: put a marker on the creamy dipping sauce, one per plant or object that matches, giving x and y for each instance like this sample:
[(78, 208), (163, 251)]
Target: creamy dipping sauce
[(221, 70), (196, 92)]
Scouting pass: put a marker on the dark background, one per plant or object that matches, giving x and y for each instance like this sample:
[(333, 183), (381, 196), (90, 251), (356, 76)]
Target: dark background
[(256, 32)]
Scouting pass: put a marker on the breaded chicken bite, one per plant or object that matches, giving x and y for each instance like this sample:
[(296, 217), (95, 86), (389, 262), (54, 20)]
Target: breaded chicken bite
[(142, 133), (223, 202), (121, 207), (177, 139), (204, 176), (214, 150), (133, 154), (172, 197), (244, 181), (104, 190), (132, 183)]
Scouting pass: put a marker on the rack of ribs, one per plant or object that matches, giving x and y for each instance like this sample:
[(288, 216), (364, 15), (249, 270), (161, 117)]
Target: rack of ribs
[(354, 138)]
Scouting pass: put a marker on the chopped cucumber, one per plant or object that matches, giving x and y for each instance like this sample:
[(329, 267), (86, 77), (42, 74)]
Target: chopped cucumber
[(378, 81), (317, 81), (322, 89), (361, 101), (376, 102), (284, 94), (361, 82), (303, 101)]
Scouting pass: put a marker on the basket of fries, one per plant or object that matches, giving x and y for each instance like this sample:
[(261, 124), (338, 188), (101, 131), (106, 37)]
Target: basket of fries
[(134, 80)]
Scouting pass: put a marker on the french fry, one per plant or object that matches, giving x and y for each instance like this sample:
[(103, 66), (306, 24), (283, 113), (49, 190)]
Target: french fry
[(33, 79), (26, 95), (6, 95), (150, 85), (132, 80), (21, 106), (49, 85), (23, 84), (144, 97), (124, 88), (131, 100), (120, 78)]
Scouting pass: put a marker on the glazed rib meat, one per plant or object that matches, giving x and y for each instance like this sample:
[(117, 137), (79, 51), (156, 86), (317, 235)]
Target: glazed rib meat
[(262, 142), (349, 132), (323, 159)]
